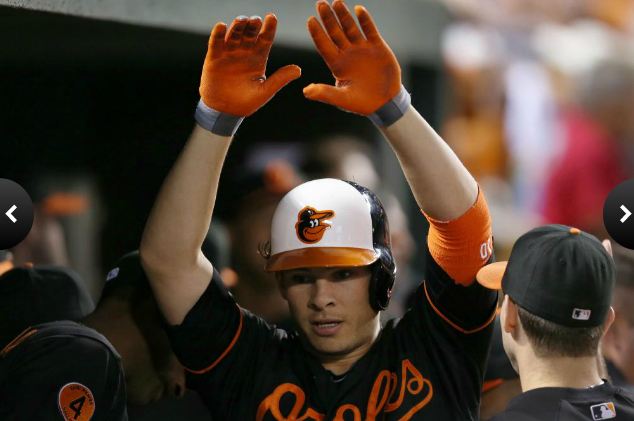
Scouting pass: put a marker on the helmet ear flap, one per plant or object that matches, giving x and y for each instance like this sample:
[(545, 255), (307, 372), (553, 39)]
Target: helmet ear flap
[(382, 281)]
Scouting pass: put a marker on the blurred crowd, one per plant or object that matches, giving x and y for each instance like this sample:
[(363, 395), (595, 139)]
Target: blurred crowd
[(538, 107)]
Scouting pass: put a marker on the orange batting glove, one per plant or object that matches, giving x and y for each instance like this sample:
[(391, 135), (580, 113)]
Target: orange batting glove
[(233, 84), (367, 74)]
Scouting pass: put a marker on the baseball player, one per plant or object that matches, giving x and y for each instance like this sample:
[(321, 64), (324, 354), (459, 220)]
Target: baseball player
[(127, 316), (557, 288), (52, 368), (330, 251)]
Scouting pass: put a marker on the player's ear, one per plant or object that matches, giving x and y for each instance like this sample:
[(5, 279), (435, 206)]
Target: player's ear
[(609, 319), (509, 316)]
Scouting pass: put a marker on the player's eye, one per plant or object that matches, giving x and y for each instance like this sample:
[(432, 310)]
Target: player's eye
[(300, 278), (342, 274)]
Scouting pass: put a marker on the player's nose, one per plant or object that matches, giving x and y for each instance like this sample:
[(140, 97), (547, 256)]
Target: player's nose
[(321, 294)]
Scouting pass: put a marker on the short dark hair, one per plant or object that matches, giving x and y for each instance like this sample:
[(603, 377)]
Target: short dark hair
[(551, 339)]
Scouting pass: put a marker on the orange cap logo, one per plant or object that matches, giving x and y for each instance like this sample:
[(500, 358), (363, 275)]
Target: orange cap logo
[(76, 402), (312, 224)]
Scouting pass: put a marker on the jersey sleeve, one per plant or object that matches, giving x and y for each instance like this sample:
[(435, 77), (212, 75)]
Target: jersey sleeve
[(450, 317), (224, 348), (463, 245), (455, 251), (209, 331), (450, 326)]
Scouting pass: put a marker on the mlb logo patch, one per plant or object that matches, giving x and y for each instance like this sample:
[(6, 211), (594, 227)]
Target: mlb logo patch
[(603, 411), (581, 314), (112, 274)]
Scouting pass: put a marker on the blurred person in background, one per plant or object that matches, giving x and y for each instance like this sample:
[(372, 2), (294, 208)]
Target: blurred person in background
[(46, 243), (52, 367), (474, 125), (501, 115), (128, 316), (246, 204), (618, 343), (6, 261), (599, 137)]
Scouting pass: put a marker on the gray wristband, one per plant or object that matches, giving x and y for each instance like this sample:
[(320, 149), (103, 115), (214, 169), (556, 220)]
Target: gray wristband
[(216, 122), (394, 109)]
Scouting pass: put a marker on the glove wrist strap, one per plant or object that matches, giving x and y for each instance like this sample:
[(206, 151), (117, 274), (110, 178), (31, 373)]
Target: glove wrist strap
[(393, 110), (219, 123)]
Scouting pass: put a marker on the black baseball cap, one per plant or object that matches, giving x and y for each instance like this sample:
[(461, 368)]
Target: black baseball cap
[(558, 273), (126, 272), (61, 370), (40, 294)]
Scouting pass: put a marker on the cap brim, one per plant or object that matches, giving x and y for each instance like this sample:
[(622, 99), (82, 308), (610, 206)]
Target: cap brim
[(321, 257), (490, 276)]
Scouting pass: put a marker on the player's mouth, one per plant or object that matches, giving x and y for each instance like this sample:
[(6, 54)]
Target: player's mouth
[(325, 327)]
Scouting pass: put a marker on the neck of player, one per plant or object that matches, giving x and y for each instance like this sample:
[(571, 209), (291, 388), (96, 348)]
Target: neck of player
[(579, 373)]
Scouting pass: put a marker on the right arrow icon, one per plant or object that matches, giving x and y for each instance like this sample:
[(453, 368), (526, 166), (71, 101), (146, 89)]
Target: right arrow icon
[(627, 213)]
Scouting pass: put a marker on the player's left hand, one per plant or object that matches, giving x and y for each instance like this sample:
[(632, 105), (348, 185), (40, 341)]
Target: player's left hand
[(366, 71)]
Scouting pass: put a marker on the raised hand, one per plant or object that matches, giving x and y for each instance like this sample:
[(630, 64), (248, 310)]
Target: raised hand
[(366, 71), (234, 74)]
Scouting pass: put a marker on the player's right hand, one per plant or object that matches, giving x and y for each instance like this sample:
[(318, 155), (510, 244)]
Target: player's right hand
[(234, 74)]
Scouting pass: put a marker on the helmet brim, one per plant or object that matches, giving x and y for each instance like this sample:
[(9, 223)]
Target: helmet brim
[(311, 257)]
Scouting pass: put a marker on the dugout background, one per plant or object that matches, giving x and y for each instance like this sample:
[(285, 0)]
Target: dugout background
[(112, 104)]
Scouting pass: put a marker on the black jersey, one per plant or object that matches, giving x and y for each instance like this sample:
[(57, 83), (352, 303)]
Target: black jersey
[(604, 402), (427, 365)]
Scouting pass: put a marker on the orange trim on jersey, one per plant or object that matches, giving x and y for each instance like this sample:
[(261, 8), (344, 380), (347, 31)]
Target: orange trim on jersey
[(452, 324), (224, 354), (26, 334), (462, 246), (491, 384)]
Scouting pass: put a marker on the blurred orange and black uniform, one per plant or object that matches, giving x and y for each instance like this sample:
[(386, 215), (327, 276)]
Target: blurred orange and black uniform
[(50, 366)]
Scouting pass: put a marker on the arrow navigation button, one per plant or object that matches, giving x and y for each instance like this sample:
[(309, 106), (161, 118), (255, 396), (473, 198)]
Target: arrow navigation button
[(627, 213), (9, 214), (17, 206), (618, 211)]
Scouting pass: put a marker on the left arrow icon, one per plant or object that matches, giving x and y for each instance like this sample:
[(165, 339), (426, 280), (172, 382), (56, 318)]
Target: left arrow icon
[(627, 213), (9, 213)]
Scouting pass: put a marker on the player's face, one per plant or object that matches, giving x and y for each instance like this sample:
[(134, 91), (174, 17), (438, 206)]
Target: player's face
[(151, 369), (332, 308)]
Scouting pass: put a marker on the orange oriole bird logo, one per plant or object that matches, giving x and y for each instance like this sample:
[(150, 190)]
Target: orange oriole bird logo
[(312, 224)]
